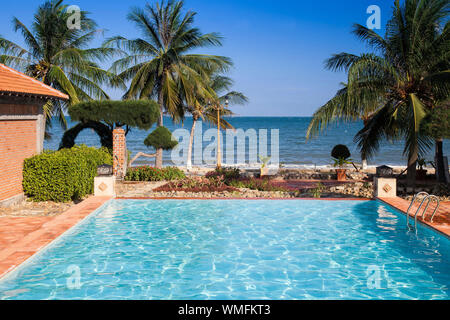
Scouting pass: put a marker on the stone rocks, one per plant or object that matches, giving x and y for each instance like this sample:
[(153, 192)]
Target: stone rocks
[(324, 174), (440, 190), (36, 209), (357, 189)]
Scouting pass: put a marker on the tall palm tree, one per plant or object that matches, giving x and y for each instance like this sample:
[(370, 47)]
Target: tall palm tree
[(160, 64), (59, 56), (404, 76), (205, 107)]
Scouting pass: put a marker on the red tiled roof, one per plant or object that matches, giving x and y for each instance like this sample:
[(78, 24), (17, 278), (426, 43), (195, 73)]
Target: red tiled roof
[(15, 82)]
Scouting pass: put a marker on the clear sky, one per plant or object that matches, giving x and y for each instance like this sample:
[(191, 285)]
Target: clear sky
[(278, 47)]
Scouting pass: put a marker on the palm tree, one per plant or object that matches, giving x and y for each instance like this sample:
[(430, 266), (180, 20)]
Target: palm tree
[(404, 77), (59, 57), (212, 106), (160, 64), (341, 108)]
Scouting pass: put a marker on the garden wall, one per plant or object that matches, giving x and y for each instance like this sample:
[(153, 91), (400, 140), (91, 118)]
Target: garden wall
[(20, 138)]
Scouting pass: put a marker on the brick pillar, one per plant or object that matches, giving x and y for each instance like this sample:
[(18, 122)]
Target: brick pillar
[(120, 153)]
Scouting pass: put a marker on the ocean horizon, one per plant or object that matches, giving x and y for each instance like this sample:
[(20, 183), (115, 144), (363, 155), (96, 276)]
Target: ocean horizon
[(294, 150)]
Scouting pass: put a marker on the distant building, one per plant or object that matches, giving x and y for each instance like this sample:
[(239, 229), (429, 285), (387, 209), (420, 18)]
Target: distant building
[(22, 126)]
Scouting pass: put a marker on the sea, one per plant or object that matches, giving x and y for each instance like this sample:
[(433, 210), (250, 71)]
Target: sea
[(294, 150)]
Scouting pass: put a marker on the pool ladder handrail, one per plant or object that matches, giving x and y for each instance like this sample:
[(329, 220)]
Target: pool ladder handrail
[(425, 194), (427, 197)]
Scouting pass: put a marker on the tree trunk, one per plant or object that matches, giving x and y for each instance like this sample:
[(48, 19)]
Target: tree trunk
[(219, 155), (191, 142), (412, 167), (363, 157), (364, 163), (439, 158), (159, 152)]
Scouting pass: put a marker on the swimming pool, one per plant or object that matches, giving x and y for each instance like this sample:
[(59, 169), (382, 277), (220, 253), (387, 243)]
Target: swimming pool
[(238, 249)]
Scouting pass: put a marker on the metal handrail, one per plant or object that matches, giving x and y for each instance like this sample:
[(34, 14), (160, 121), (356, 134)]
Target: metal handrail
[(438, 203), (428, 198), (425, 194)]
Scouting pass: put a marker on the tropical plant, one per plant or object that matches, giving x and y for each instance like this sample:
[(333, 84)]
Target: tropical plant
[(340, 151), (421, 163), (404, 77), (437, 126), (211, 105), (264, 161), (317, 191), (341, 108), (341, 155), (161, 63), (60, 57)]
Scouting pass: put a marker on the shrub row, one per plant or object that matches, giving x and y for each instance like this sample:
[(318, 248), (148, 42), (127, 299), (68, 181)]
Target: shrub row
[(154, 174), (64, 175)]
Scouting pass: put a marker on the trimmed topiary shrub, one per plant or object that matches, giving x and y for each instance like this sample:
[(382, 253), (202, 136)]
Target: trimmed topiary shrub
[(64, 175), (161, 138), (140, 114), (340, 152), (154, 174)]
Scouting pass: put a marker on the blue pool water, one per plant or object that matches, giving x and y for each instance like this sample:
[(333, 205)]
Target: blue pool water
[(235, 249)]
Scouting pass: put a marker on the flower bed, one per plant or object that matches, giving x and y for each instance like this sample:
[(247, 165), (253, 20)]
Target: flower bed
[(258, 184), (221, 180), (196, 185)]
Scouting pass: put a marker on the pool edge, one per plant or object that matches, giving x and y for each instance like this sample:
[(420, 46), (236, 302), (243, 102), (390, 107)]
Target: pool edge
[(19, 253), (399, 205)]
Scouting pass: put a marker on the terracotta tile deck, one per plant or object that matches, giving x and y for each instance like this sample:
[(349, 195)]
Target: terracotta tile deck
[(441, 220), (21, 238)]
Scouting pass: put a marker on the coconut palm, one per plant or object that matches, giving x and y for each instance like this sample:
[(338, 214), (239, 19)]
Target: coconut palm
[(211, 106), (341, 108), (59, 56), (160, 64), (404, 77)]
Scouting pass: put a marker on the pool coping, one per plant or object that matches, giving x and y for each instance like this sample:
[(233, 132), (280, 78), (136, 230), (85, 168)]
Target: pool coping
[(402, 205), (237, 198), (34, 242)]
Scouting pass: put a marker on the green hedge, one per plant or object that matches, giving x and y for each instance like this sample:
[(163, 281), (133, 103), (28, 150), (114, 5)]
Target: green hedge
[(154, 174), (63, 175)]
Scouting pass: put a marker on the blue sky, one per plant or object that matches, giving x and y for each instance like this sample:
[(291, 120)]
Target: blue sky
[(278, 47)]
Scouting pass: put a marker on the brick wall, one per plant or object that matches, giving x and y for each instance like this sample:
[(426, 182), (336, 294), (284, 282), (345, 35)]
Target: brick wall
[(17, 142), (120, 153)]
